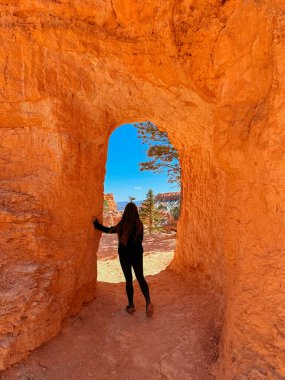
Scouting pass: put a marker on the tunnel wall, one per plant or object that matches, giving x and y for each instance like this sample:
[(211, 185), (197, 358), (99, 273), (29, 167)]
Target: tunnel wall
[(208, 73)]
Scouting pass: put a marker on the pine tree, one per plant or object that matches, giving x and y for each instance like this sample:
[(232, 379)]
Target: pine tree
[(149, 212), (163, 156)]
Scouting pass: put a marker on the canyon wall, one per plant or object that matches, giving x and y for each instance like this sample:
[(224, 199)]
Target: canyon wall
[(211, 74)]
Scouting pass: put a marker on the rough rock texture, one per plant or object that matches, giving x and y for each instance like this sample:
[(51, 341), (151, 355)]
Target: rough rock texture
[(211, 74)]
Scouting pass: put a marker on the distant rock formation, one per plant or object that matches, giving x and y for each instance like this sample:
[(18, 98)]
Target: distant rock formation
[(111, 218), (109, 201), (168, 197), (111, 215)]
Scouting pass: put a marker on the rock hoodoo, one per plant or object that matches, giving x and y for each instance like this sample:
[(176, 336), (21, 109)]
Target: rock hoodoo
[(211, 74), (110, 202), (111, 215)]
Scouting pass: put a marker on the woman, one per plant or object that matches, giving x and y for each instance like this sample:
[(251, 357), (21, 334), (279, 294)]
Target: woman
[(130, 235)]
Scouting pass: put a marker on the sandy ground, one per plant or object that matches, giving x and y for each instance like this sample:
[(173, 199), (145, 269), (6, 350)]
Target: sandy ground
[(105, 342), (158, 253)]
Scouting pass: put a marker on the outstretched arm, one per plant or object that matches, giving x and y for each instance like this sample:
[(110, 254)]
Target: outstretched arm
[(108, 230)]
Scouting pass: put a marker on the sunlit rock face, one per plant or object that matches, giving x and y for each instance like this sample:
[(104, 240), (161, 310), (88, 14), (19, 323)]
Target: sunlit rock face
[(110, 203), (211, 74)]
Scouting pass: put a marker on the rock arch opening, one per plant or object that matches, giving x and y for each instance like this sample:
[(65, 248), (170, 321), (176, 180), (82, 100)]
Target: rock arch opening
[(124, 181)]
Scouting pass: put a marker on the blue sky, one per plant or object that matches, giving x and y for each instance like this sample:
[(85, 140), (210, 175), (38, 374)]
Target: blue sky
[(123, 177)]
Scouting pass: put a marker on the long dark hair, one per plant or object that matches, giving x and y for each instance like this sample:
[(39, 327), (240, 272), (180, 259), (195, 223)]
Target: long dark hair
[(130, 226)]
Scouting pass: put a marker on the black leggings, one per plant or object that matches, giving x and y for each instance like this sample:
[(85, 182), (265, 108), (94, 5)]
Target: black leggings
[(137, 263)]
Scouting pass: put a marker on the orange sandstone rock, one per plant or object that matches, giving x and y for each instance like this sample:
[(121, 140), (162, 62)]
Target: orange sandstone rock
[(211, 74), (111, 205)]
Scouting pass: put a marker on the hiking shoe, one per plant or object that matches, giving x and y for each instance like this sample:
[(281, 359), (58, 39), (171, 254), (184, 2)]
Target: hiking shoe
[(149, 309), (130, 309)]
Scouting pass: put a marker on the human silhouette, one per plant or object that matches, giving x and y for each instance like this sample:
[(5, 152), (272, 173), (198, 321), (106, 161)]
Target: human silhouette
[(130, 236)]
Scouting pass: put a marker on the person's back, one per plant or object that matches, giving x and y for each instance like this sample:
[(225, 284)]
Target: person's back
[(131, 237)]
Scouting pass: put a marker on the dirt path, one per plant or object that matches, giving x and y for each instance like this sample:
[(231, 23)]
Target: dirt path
[(105, 342)]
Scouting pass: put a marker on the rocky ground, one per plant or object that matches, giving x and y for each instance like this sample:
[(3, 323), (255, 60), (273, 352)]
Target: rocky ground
[(104, 342)]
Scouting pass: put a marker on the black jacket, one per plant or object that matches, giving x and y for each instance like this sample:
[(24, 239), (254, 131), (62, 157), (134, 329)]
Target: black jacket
[(132, 248)]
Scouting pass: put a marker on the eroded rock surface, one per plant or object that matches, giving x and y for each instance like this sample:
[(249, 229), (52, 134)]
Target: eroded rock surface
[(211, 74)]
